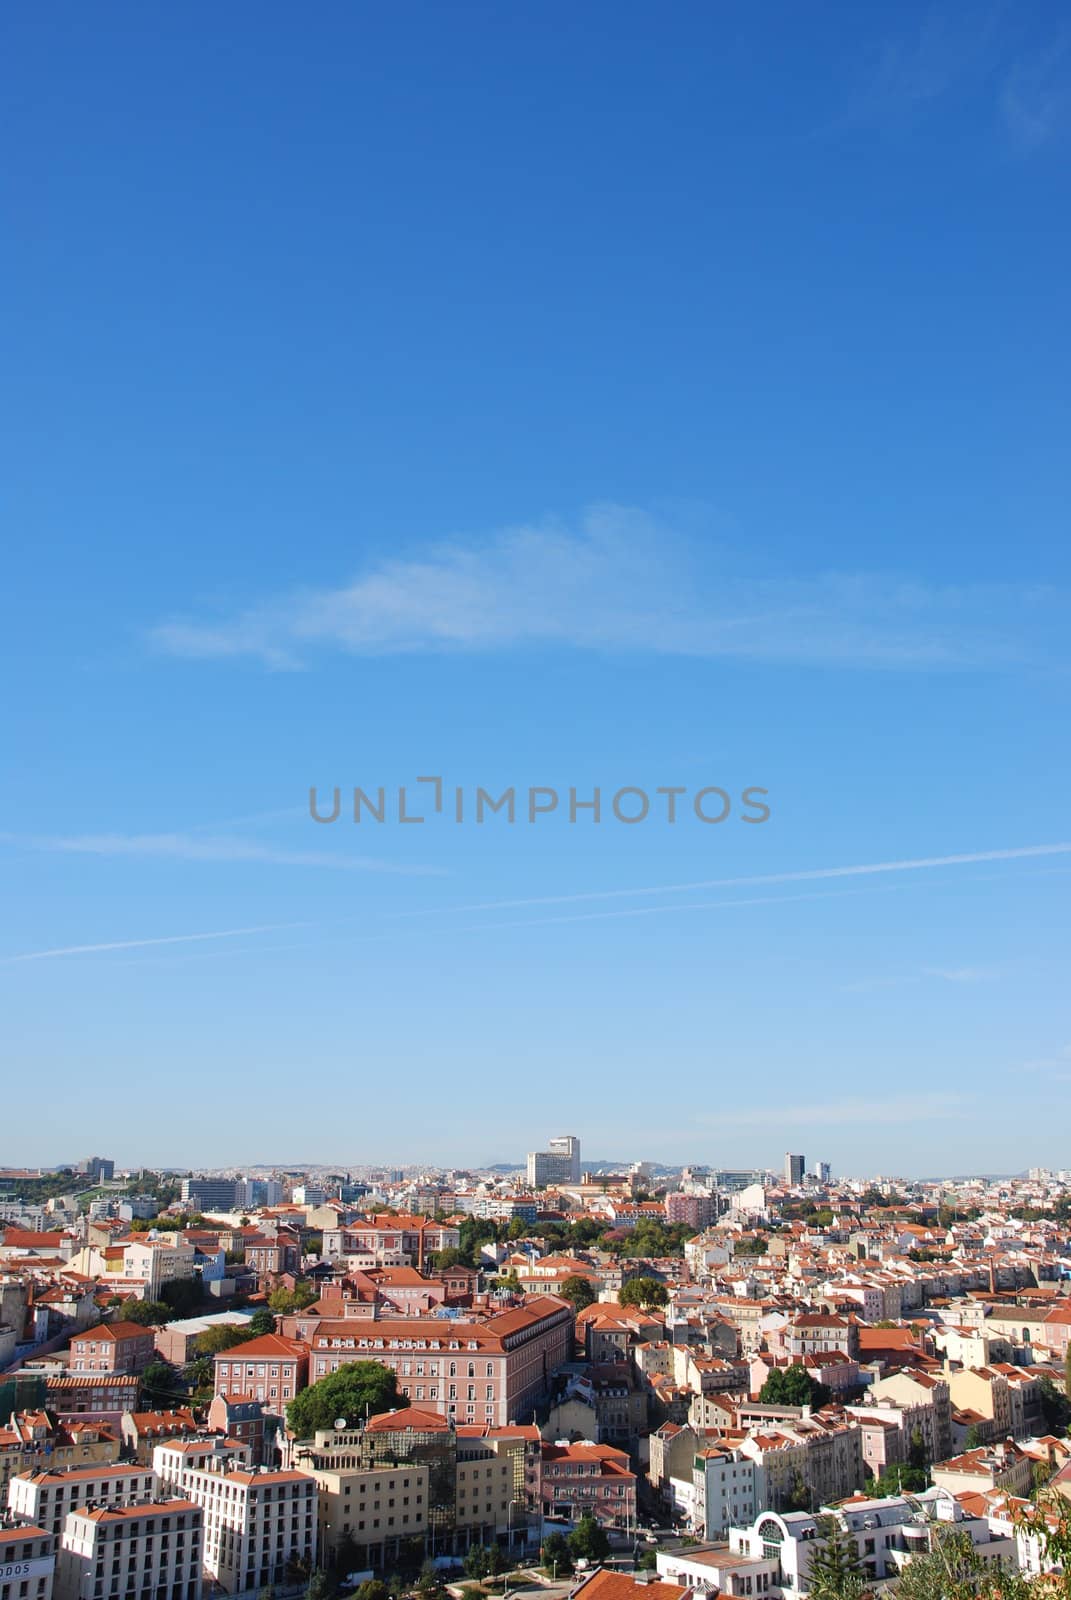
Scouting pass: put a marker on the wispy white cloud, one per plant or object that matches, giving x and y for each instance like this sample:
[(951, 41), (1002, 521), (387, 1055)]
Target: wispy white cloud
[(622, 581), (810, 874), (1035, 99), (912, 1108), (201, 847), (897, 980), (140, 944), (1056, 1068), (962, 974)]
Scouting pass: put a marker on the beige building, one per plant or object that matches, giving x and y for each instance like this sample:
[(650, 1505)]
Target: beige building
[(27, 1562), (31, 1441), (986, 1392), (120, 1552)]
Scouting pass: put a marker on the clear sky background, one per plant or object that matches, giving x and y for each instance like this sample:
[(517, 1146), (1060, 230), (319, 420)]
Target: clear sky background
[(536, 394)]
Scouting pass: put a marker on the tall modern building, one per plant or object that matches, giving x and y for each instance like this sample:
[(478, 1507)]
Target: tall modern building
[(794, 1169), (560, 1163), (210, 1194), (825, 1172)]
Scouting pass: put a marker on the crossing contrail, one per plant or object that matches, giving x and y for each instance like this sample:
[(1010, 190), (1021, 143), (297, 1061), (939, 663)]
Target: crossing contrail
[(139, 944), (810, 875)]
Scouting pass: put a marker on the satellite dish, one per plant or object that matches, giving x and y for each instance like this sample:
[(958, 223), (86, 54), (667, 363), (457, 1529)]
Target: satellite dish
[(340, 1423)]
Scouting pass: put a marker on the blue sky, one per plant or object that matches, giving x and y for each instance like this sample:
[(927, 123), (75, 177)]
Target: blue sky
[(546, 395)]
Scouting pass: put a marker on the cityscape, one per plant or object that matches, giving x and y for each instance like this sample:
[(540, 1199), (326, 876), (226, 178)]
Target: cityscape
[(534, 828), (553, 1375)]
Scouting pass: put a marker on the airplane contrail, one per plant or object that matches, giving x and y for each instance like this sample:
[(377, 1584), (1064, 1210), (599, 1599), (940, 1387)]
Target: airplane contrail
[(138, 944), (808, 876)]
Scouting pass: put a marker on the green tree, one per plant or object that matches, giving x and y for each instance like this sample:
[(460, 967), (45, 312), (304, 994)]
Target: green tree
[(182, 1297), (478, 1561), (952, 1570), (750, 1247), (261, 1322), (973, 1438), (319, 1586), (588, 1541), (222, 1336), (517, 1229), (287, 1301), (430, 1580), (372, 1589), (200, 1372), (557, 1555), (1054, 1406), (146, 1313), (793, 1386), (358, 1389), (578, 1290), (159, 1382), (645, 1292), (443, 1259), (799, 1496), (835, 1572), (648, 1562)]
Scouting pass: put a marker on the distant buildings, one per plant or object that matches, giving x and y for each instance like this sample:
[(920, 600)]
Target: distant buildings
[(794, 1170), (210, 1194), (99, 1169), (560, 1163)]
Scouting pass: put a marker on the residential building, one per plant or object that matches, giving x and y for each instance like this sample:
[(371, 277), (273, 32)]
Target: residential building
[(729, 1489), (27, 1562), (32, 1440), (243, 1419), (490, 1372), (206, 1452), (257, 1524), (270, 1369), (142, 1431), (559, 1163), (116, 1347), (46, 1498), (93, 1397), (122, 1552), (693, 1210), (596, 1479)]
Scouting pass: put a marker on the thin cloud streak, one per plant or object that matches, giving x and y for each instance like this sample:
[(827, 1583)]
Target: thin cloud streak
[(196, 847), (921, 864), (844, 1113), (141, 944), (654, 911)]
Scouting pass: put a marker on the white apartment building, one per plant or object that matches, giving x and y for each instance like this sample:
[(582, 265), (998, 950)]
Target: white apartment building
[(45, 1498), (158, 1261), (558, 1164), (728, 1490), (210, 1453), (256, 1524), (150, 1551), (27, 1561)]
